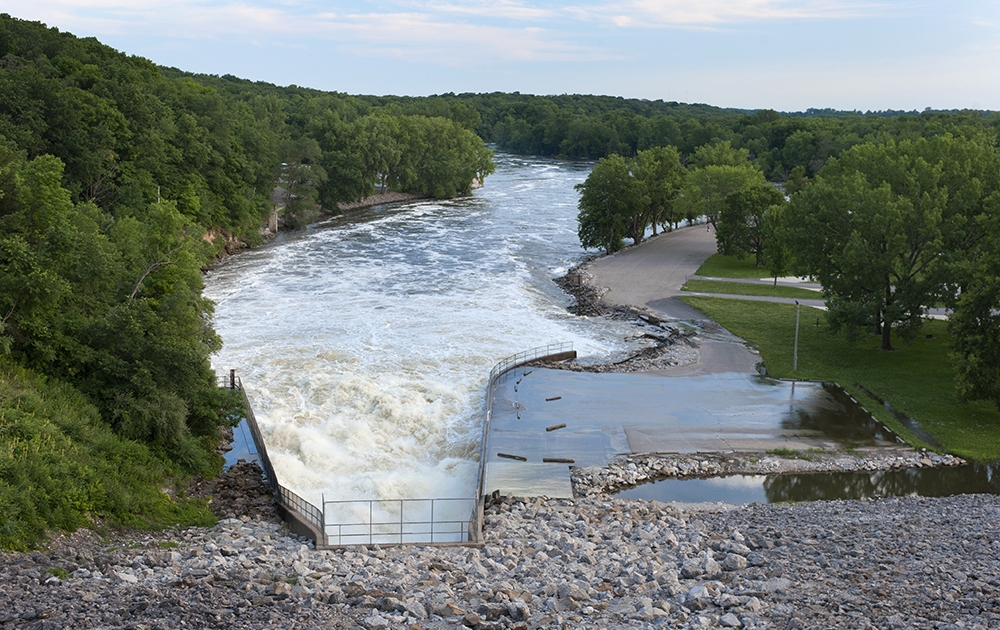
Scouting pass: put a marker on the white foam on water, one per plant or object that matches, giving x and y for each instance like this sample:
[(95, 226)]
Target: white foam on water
[(365, 342)]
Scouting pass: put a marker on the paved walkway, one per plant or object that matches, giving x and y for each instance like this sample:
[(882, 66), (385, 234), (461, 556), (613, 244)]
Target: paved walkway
[(651, 276), (654, 270)]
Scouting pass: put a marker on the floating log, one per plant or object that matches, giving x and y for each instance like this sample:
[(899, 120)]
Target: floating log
[(553, 398), (558, 460), (556, 426), (515, 457)]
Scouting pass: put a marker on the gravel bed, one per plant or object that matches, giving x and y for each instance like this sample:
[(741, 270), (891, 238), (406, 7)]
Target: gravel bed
[(593, 562)]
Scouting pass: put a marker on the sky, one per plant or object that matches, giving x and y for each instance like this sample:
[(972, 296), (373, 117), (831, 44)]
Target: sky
[(788, 55)]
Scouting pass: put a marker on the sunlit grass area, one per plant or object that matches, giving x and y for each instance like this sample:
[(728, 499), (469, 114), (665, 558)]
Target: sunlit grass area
[(746, 288), (719, 266)]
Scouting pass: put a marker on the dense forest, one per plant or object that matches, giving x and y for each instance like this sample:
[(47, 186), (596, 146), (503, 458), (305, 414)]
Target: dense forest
[(121, 180)]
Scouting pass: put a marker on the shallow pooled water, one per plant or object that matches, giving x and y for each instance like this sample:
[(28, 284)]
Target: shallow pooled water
[(924, 482)]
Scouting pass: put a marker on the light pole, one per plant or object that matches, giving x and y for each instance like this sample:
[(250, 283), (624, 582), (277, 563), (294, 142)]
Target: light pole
[(795, 351)]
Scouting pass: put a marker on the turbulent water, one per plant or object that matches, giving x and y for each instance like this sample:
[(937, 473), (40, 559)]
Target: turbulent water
[(365, 342)]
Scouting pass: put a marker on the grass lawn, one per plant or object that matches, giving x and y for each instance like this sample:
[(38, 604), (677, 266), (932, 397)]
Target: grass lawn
[(719, 266), (916, 379), (746, 288)]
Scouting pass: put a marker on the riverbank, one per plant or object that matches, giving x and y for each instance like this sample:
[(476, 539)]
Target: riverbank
[(377, 200)]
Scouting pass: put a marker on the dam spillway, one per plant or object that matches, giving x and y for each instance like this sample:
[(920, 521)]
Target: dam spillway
[(366, 340)]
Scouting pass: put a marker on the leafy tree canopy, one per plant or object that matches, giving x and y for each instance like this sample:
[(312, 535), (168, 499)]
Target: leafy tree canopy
[(881, 227), (610, 199), (743, 227)]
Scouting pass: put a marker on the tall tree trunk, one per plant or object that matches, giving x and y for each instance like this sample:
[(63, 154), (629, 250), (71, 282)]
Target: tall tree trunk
[(886, 336), (886, 324)]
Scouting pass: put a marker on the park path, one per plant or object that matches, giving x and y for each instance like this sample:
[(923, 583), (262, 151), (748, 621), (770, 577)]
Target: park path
[(651, 275), (654, 270)]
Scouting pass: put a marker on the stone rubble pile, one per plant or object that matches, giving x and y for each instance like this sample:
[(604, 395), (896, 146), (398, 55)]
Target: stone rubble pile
[(664, 345), (662, 354), (632, 470), (588, 563)]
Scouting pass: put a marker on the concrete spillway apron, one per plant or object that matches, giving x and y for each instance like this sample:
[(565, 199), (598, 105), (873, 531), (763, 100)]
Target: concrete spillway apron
[(605, 415), (716, 404)]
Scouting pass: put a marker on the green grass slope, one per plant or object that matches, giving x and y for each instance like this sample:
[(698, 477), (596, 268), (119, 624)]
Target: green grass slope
[(61, 467)]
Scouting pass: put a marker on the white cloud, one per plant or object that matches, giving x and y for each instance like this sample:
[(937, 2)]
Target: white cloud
[(504, 9), (214, 19), (449, 33), (422, 37), (718, 13)]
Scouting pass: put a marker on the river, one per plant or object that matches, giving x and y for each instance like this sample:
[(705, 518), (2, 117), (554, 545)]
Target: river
[(365, 341)]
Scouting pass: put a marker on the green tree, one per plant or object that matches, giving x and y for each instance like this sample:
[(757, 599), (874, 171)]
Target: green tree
[(719, 154), (742, 226), (661, 175), (705, 189), (776, 255), (112, 306), (975, 328), (610, 199), (439, 158), (797, 180), (879, 224), (342, 160), (301, 175), (379, 137)]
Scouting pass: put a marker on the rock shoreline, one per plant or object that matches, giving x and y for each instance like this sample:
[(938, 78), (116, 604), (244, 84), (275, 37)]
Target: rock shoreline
[(593, 562)]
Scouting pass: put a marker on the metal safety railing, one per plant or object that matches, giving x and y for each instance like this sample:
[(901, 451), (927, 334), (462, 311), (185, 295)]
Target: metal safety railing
[(291, 500), (399, 521), (285, 497), (394, 521), (528, 356)]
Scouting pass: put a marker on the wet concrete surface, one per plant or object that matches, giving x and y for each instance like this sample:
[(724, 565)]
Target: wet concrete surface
[(607, 414), (242, 446)]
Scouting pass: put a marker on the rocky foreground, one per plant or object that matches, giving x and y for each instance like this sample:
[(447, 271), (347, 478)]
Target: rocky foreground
[(594, 562)]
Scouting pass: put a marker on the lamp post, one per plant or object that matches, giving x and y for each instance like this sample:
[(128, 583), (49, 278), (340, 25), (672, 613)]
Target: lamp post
[(795, 351)]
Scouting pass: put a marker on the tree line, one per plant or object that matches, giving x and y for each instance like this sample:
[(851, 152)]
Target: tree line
[(890, 229), (592, 127)]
